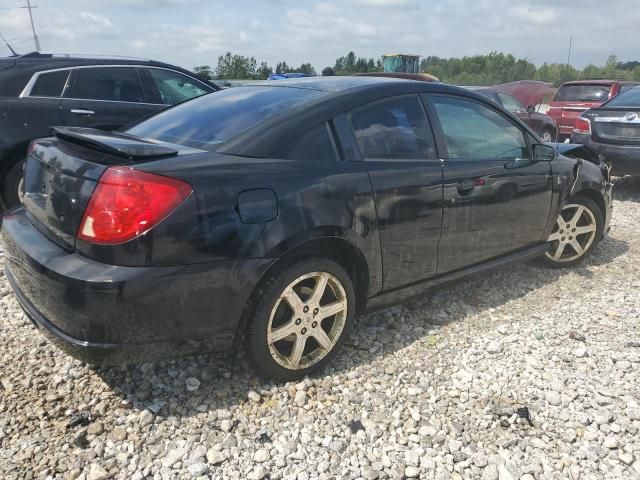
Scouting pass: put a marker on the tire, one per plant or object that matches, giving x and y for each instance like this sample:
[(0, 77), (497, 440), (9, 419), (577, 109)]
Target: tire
[(284, 342), (547, 135), (568, 248), (12, 185)]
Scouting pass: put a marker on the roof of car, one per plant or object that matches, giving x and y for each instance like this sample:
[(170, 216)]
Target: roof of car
[(327, 84), (595, 81)]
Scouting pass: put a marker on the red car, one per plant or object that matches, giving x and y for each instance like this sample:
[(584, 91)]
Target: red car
[(574, 98)]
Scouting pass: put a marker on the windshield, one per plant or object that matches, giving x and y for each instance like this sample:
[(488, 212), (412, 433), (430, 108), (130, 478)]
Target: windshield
[(212, 119), (628, 98), (583, 93)]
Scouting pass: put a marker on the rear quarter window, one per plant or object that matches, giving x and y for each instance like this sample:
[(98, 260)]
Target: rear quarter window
[(49, 84), (314, 146)]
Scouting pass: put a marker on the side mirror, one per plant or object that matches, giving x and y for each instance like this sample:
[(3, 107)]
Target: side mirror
[(543, 153), (531, 109)]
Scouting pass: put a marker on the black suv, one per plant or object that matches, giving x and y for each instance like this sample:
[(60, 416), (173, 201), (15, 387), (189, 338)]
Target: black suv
[(38, 91)]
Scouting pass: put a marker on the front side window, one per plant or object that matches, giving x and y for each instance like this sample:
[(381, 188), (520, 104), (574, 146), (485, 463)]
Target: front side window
[(394, 129), (475, 132), (510, 103), (119, 84), (49, 84), (174, 87), (210, 120)]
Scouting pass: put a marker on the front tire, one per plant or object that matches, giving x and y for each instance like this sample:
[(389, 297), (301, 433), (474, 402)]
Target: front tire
[(303, 314), (576, 233)]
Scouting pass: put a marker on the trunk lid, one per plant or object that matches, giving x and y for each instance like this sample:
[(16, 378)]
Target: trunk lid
[(62, 172), (617, 126)]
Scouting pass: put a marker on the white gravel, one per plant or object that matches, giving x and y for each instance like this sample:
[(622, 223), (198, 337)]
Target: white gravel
[(436, 388)]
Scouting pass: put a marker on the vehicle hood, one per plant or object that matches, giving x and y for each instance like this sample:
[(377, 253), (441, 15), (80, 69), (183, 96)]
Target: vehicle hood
[(576, 150), (529, 92)]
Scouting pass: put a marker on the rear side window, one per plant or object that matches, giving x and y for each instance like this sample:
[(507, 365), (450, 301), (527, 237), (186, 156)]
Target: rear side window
[(394, 129), (583, 93), (112, 84), (174, 87), (314, 146), (210, 120), (49, 84)]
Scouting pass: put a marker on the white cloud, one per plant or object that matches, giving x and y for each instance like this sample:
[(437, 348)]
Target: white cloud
[(191, 32)]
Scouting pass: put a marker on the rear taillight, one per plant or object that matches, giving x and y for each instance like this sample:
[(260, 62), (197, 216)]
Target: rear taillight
[(582, 125), (127, 203)]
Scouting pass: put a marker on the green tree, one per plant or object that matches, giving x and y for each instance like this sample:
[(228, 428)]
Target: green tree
[(236, 67), (203, 71), (264, 70)]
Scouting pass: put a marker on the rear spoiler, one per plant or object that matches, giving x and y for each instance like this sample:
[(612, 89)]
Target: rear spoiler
[(118, 144)]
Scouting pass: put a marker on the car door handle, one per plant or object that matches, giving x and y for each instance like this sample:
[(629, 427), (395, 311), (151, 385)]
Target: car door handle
[(82, 112), (465, 187)]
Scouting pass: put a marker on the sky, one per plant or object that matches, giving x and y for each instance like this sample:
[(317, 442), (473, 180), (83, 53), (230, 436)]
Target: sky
[(196, 32)]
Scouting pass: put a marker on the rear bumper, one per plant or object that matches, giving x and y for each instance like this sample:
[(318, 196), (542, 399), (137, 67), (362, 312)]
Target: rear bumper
[(625, 160), (105, 314)]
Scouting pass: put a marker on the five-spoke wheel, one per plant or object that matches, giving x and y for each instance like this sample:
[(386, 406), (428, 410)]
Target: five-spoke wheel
[(301, 320), (575, 233)]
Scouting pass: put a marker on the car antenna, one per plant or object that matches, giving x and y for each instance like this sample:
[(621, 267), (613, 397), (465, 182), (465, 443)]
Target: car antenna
[(9, 46)]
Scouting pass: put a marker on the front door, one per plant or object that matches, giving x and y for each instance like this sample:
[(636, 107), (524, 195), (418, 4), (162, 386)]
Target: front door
[(104, 97), (398, 148), (497, 199)]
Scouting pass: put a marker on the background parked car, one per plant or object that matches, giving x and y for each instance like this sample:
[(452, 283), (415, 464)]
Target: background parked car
[(540, 123), (613, 131), (38, 91), (574, 98)]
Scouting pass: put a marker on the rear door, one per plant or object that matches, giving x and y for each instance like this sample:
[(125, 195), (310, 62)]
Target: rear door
[(496, 198), (398, 148), (105, 97), (38, 108)]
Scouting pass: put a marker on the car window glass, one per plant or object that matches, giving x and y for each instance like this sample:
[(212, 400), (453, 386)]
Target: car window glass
[(114, 84), (49, 84), (629, 98), (174, 87), (314, 146), (209, 120), (510, 103), (394, 129), (582, 93), (475, 132)]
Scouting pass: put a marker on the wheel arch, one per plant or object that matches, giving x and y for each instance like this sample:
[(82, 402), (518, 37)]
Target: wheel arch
[(596, 196), (341, 251)]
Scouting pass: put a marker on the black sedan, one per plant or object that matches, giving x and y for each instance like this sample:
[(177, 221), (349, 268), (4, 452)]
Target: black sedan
[(275, 213), (612, 130)]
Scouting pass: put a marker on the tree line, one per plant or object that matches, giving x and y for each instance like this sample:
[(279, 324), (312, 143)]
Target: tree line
[(490, 69)]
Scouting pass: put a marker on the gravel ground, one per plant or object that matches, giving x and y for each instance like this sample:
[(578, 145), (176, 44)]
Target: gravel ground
[(526, 373)]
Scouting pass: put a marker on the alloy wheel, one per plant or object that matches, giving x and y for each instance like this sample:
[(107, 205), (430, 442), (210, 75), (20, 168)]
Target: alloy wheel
[(307, 320), (21, 190), (573, 234), (546, 137)]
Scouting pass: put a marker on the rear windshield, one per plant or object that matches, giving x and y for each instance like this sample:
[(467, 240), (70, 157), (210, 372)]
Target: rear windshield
[(628, 98), (583, 93), (207, 121)]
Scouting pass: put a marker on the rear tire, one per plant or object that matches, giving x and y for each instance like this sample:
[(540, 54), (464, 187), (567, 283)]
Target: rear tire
[(302, 317), (12, 185), (577, 231)]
